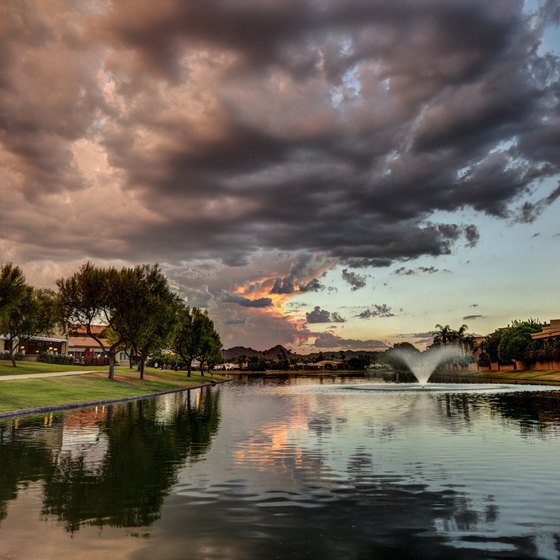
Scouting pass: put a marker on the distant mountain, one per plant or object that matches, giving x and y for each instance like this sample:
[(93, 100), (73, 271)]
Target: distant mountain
[(272, 354), (231, 354)]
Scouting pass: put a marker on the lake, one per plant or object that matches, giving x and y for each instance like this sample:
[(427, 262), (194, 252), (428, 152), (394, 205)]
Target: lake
[(320, 467)]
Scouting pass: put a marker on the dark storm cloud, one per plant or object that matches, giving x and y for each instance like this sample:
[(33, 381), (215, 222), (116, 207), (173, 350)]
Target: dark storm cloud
[(472, 235), (228, 297), (283, 286), (382, 310), (403, 271), (300, 268), (530, 211), (460, 73), (336, 128), (48, 97), (331, 340), (319, 315), (355, 280), (311, 286), (365, 262)]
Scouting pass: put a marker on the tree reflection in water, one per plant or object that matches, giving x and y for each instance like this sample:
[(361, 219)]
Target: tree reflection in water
[(532, 412), (21, 464), (123, 476), (313, 469)]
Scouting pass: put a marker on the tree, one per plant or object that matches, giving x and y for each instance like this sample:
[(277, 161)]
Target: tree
[(360, 363), (196, 338), (283, 362), (185, 342), (14, 295), (88, 296), (210, 349), (442, 335), (25, 311), (145, 311), (12, 286), (462, 338), (445, 335), (492, 343), (515, 341)]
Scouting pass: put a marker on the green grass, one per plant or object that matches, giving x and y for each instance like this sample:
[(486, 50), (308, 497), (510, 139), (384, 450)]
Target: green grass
[(38, 393), (529, 376), (22, 368)]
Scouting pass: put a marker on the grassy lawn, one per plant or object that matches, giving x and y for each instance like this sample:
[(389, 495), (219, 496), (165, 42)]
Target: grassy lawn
[(529, 376), (6, 368), (38, 393)]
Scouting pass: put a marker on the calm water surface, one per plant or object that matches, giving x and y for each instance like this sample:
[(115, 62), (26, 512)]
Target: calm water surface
[(287, 469)]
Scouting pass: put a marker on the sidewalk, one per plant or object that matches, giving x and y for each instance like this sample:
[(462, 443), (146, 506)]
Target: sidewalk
[(43, 375)]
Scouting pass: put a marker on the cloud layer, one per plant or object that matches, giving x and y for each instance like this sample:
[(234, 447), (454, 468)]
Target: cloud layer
[(196, 132), (319, 315)]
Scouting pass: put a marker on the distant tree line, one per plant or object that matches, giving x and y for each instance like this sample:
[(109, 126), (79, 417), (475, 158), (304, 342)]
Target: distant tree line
[(142, 314)]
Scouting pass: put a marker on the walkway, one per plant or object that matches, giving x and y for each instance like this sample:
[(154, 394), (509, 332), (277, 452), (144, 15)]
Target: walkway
[(43, 375)]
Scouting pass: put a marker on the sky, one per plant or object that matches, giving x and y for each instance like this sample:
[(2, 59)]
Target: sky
[(322, 174)]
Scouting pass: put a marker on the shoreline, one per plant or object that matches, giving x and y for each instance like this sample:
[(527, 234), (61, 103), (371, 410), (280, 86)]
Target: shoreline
[(70, 406), (529, 377), (525, 377)]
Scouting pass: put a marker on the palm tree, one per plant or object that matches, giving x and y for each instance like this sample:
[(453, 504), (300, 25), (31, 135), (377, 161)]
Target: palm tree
[(446, 335), (443, 335)]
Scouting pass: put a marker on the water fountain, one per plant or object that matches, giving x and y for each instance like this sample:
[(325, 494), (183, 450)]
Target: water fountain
[(423, 364)]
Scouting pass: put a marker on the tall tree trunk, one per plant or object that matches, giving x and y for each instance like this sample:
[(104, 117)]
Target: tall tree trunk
[(189, 367), (141, 367), (111, 365), (12, 353)]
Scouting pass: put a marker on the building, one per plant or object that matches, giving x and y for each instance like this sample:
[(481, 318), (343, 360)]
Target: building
[(549, 332), (548, 356), (31, 348), (83, 348)]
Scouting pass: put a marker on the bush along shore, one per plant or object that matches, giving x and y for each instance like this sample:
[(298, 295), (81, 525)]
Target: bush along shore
[(29, 395)]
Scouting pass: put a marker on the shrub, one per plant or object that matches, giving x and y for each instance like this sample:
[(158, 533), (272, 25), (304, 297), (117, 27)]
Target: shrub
[(60, 359), (6, 356), (483, 360), (99, 361)]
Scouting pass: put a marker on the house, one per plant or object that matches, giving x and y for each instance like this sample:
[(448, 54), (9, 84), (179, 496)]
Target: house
[(31, 348), (324, 364), (83, 347), (226, 366), (548, 332)]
